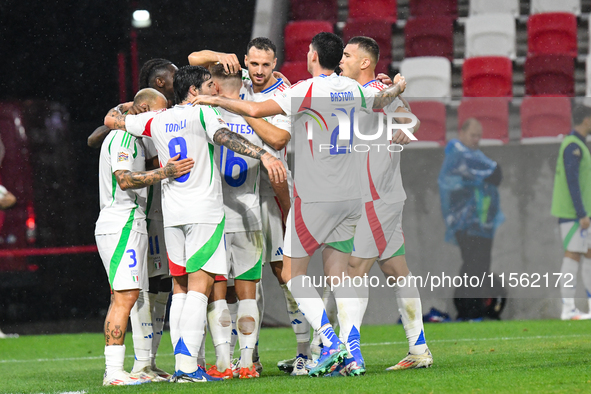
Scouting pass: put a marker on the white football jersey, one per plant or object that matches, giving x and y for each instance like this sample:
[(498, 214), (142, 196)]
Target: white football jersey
[(154, 209), (380, 169), (187, 130), (325, 167), (281, 121), (120, 151), (240, 179)]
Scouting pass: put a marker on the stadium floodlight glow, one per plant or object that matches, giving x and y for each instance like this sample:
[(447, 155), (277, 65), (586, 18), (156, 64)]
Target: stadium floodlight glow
[(141, 19)]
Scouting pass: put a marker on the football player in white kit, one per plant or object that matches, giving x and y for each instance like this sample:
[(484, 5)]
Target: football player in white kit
[(121, 233), (240, 185), (379, 236), (327, 202), (192, 205), (148, 313), (259, 84)]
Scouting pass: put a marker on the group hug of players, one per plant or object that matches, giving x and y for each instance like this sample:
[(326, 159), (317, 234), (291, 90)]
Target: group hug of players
[(194, 185)]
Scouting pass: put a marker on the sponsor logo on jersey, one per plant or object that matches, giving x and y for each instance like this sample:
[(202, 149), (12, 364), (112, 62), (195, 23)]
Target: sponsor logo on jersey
[(279, 252), (122, 156), (221, 121)]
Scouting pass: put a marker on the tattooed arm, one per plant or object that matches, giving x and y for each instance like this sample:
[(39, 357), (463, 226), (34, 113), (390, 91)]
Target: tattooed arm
[(136, 180), (386, 96), (241, 145)]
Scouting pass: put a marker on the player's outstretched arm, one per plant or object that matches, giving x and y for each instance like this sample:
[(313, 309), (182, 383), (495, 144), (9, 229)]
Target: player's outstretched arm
[(241, 107), (400, 137), (98, 136), (386, 96), (115, 118), (241, 145), (271, 134), (208, 58), (136, 180)]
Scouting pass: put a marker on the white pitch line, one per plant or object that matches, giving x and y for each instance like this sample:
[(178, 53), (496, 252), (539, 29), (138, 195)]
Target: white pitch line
[(363, 345)]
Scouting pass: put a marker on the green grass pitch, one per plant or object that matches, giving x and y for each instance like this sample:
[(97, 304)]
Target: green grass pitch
[(543, 356)]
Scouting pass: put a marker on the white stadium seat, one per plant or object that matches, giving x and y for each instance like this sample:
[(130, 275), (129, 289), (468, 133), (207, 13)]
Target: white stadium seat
[(427, 77), (490, 35), (588, 78), (478, 7), (540, 6)]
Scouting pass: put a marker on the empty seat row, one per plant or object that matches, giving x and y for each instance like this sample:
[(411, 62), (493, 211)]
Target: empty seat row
[(327, 10), (543, 119)]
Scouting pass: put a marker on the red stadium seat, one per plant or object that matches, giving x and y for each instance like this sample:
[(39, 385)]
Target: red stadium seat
[(383, 65), (325, 10), (545, 119), (297, 37), (434, 8), (487, 76), (493, 114), (379, 30), (433, 128), (295, 71), (373, 9), (429, 36), (550, 75), (552, 33)]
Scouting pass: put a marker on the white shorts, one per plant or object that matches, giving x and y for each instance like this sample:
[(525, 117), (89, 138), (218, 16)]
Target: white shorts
[(574, 238), (194, 247), (379, 231), (244, 255), (309, 225), (157, 259), (124, 257), (272, 225)]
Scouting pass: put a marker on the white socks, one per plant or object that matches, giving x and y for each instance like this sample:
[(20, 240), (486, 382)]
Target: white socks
[(248, 326), (192, 329), (158, 303), (348, 308), (409, 306), (176, 309), (114, 358), (233, 308), (141, 325), (220, 326), (569, 267), (299, 324), (586, 273), (260, 297), (305, 295)]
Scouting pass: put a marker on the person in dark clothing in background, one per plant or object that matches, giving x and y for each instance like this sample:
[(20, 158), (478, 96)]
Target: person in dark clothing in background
[(468, 186)]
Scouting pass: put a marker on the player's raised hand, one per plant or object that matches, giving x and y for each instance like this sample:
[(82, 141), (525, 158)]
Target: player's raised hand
[(278, 75), (400, 138), (400, 80), (230, 62), (203, 100), (138, 109), (385, 79), (175, 168), (274, 167)]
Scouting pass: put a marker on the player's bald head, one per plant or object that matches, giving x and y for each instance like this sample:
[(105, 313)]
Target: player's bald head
[(150, 97)]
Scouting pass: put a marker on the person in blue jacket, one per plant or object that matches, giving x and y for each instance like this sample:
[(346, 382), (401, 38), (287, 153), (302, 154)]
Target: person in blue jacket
[(468, 187)]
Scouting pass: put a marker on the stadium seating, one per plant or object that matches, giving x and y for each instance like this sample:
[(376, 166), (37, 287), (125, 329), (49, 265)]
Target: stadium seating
[(426, 77), (487, 76), (432, 115), (383, 65), (478, 7), (545, 119), (434, 8), (588, 76), (553, 33), (550, 75), (373, 9), (295, 71), (493, 114), (325, 10), (540, 6), (379, 30), (490, 35), (429, 36), (298, 36)]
